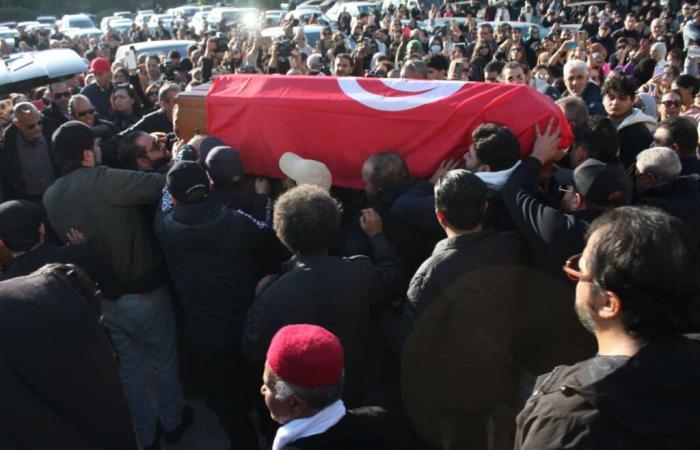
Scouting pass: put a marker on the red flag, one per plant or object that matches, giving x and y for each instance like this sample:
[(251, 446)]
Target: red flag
[(342, 121)]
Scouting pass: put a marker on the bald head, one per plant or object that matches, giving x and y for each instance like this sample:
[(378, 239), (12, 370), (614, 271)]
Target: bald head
[(28, 121)]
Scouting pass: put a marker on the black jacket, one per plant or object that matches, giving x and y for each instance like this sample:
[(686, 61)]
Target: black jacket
[(648, 402), (11, 173), (350, 433), (59, 379), (122, 121), (339, 294), (690, 164), (594, 101), (211, 252), (680, 198), (54, 114), (635, 137), (152, 122), (99, 99), (82, 256), (553, 236)]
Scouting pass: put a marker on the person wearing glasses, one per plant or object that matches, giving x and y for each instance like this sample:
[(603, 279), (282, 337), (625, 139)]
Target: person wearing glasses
[(27, 165), (681, 135), (636, 292), (594, 187), (670, 105), (58, 109)]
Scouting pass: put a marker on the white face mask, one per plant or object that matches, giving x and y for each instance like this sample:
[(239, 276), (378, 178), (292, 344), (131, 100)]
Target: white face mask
[(435, 48)]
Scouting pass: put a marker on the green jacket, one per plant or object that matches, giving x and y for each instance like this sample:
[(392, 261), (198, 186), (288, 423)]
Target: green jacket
[(110, 207)]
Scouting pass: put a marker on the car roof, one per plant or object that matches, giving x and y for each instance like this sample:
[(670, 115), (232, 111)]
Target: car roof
[(26, 70), (161, 47)]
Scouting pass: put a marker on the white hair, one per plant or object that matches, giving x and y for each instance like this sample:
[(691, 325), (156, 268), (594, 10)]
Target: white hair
[(661, 48), (661, 161), (575, 64)]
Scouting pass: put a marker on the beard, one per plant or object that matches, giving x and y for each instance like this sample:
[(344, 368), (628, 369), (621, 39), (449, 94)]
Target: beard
[(584, 312)]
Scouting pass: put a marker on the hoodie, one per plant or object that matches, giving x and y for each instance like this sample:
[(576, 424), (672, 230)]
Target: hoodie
[(636, 134), (648, 401)]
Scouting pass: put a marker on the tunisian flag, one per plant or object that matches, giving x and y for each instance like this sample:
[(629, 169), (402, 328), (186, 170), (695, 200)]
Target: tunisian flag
[(342, 121)]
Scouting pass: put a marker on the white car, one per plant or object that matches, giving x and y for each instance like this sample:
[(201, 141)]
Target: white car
[(161, 48), (9, 35), (23, 71), (307, 15), (47, 20), (124, 14), (273, 17), (28, 24), (166, 19), (76, 21), (87, 32), (248, 16), (312, 33), (143, 17), (352, 8), (121, 25), (199, 22)]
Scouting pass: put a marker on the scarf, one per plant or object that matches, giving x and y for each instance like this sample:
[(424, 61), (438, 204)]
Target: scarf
[(496, 180), (309, 426)]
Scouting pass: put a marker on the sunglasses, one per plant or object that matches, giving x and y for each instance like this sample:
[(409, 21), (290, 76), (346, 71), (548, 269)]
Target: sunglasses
[(85, 113), (58, 95), (31, 126), (671, 103), (573, 270)]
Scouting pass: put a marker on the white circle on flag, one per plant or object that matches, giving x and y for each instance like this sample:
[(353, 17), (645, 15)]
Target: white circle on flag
[(426, 91)]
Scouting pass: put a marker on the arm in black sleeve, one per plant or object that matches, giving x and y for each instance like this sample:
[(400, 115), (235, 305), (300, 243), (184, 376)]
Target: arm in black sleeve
[(207, 67), (416, 207), (543, 227), (389, 277), (135, 82)]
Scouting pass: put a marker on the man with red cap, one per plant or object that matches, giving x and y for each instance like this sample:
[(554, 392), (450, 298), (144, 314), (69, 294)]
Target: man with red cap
[(302, 385), (100, 90)]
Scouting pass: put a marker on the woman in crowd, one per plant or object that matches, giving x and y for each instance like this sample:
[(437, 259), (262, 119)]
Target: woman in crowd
[(126, 106)]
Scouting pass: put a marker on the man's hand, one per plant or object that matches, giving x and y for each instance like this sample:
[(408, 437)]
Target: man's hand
[(546, 146), (371, 222), (76, 237), (444, 167)]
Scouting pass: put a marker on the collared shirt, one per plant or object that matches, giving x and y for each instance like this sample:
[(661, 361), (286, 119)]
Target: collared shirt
[(37, 168)]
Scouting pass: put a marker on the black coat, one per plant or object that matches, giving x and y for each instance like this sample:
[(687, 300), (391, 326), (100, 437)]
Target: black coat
[(338, 294), (350, 433), (680, 198), (211, 252), (553, 236), (82, 256), (11, 173), (100, 99), (54, 114), (648, 402), (152, 122), (690, 165), (633, 140), (59, 379)]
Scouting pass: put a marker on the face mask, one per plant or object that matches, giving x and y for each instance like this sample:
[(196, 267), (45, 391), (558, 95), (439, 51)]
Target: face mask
[(435, 48)]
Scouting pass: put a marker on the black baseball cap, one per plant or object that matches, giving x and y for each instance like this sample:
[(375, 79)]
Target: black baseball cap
[(207, 145), (187, 182), (19, 224), (597, 182), (224, 165)]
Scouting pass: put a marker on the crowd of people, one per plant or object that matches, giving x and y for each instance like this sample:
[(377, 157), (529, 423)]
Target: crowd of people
[(140, 270)]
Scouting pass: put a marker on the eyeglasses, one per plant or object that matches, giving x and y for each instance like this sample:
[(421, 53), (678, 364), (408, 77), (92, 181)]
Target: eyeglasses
[(85, 113), (573, 271), (31, 126), (671, 103), (58, 95)]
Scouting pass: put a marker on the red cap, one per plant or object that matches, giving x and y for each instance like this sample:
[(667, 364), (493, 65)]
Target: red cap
[(306, 355), (100, 65)]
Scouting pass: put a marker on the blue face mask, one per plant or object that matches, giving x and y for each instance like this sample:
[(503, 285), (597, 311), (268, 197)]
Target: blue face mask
[(435, 48)]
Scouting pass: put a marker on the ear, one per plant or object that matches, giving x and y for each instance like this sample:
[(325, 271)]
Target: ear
[(579, 201), (42, 229), (441, 218), (611, 307), (484, 168), (88, 156)]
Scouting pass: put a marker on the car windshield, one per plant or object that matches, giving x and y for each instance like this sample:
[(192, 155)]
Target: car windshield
[(364, 8), (80, 23)]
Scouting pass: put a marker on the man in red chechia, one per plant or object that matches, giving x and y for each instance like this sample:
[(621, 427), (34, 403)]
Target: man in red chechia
[(302, 385)]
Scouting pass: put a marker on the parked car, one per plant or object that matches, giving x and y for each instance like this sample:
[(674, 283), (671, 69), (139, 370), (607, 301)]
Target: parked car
[(24, 71), (9, 35), (231, 15), (352, 8), (312, 33), (166, 19), (273, 17), (124, 14), (76, 21), (309, 15), (47, 20), (199, 22), (161, 48), (143, 17), (87, 32), (120, 25)]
